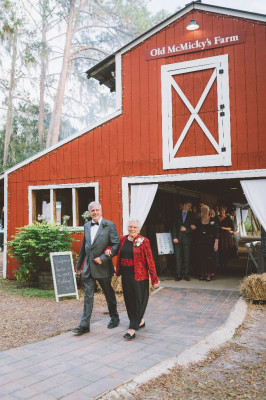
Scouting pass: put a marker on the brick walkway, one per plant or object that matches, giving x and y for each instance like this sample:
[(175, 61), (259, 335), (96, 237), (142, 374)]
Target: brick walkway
[(84, 367)]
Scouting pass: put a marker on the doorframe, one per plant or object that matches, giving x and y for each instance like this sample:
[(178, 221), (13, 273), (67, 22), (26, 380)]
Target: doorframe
[(200, 176), (220, 75)]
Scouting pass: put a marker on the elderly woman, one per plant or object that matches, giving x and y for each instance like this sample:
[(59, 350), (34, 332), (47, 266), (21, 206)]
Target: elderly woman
[(226, 243), (135, 263), (206, 237)]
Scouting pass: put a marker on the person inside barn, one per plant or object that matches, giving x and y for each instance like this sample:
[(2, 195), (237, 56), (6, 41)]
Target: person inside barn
[(98, 235), (206, 243), (135, 263), (226, 243), (184, 224)]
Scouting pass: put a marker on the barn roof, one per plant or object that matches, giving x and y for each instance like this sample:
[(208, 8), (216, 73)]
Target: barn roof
[(104, 71)]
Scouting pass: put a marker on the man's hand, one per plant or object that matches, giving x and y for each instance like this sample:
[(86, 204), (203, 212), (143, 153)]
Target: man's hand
[(183, 229), (98, 260), (175, 240), (78, 271), (193, 227)]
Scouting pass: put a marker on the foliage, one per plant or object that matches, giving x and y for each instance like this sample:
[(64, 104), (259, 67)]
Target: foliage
[(32, 245), (99, 29), (86, 216), (14, 289)]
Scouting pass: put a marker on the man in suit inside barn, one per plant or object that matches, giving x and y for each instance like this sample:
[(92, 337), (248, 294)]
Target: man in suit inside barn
[(184, 224), (99, 234)]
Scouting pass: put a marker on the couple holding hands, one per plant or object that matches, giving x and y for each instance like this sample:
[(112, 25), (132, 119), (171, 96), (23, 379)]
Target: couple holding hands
[(134, 263)]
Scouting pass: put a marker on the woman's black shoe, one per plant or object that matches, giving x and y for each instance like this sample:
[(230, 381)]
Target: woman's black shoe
[(142, 326), (127, 336)]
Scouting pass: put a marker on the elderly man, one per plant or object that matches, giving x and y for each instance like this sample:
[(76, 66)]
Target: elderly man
[(184, 224), (98, 235)]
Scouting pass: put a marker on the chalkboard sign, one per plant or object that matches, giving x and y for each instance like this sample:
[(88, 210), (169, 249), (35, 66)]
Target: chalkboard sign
[(164, 243), (63, 274)]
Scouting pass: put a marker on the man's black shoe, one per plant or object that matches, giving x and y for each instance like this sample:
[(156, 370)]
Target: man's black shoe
[(114, 322), (80, 330), (178, 278), (187, 278)]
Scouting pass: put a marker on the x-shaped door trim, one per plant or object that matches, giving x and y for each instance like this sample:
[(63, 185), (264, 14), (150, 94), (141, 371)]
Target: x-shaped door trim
[(194, 114)]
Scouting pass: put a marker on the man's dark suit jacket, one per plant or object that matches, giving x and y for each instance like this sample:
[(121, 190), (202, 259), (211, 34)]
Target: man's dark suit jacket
[(183, 237), (106, 236)]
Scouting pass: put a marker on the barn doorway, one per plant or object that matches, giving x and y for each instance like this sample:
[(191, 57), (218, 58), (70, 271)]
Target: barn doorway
[(167, 201)]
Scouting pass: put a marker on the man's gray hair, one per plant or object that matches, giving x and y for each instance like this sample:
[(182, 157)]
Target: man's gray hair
[(134, 220), (93, 204)]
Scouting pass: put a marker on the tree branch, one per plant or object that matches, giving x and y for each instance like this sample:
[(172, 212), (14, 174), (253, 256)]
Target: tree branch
[(88, 48)]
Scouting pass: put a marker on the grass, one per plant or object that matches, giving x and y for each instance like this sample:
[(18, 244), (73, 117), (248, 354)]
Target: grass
[(12, 287)]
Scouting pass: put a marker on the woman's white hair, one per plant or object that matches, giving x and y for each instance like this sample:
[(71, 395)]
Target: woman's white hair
[(134, 220), (205, 207)]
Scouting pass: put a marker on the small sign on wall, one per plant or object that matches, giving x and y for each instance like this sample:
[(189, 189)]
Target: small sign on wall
[(63, 274), (164, 243)]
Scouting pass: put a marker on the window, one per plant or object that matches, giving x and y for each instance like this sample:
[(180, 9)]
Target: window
[(61, 204), (42, 204)]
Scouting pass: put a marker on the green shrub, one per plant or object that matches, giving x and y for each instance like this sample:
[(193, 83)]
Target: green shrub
[(32, 245)]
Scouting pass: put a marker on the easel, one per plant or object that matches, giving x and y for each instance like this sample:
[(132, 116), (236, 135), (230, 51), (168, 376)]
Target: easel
[(165, 246)]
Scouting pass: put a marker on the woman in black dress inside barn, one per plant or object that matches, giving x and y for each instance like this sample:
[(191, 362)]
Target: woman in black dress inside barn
[(226, 242), (206, 239)]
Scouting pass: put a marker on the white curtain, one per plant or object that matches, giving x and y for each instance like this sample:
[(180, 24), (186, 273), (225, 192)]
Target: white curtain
[(255, 192), (142, 197), (238, 218), (242, 216)]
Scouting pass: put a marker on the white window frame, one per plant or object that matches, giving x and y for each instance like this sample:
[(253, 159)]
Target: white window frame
[(72, 186), (223, 147)]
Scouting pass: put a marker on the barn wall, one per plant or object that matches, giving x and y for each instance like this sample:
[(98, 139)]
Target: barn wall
[(142, 92), (131, 144)]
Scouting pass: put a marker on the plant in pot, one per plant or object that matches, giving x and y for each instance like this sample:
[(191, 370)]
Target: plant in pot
[(31, 247), (86, 216)]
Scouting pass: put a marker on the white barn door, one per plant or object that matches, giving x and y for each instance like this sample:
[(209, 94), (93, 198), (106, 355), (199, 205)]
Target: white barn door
[(196, 113)]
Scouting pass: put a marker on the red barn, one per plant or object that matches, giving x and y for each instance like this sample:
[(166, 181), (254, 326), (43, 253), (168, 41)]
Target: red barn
[(190, 121)]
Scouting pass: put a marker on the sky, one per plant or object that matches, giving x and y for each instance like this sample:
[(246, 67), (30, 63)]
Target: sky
[(258, 6)]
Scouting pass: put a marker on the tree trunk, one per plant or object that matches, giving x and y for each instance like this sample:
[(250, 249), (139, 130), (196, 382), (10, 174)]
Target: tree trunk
[(10, 99), (42, 77), (54, 127)]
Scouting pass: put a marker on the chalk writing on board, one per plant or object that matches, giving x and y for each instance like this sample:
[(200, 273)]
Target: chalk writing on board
[(164, 243), (63, 274)]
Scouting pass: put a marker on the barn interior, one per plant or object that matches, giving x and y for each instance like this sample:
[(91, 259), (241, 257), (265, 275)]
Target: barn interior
[(169, 195)]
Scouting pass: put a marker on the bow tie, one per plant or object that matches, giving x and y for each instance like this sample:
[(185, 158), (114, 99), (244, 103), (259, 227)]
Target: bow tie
[(94, 223)]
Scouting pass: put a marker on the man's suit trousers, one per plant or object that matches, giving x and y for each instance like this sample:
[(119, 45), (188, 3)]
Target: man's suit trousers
[(89, 289)]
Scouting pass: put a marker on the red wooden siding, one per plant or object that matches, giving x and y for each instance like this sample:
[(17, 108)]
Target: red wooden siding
[(131, 144)]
